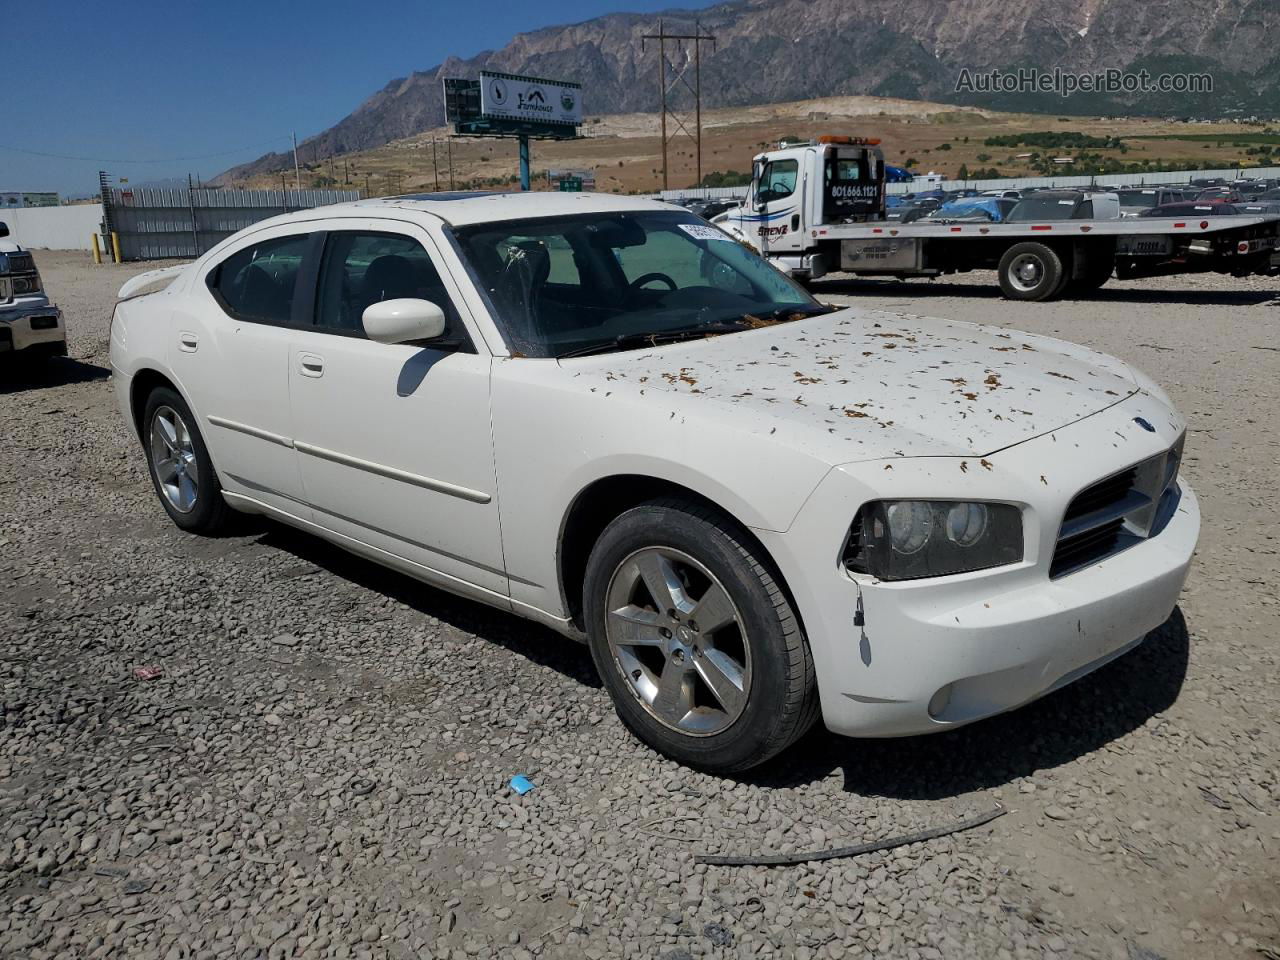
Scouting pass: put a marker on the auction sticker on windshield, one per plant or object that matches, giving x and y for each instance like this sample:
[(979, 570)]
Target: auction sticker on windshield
[(702, 232)]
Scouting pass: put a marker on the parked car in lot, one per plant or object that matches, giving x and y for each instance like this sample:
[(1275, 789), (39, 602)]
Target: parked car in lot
[(982, 209), (913, 210), (1134, 201), (1065, 205), (706, 209), (30, 326), (1217, 195), (1197, 208), (607, 416)]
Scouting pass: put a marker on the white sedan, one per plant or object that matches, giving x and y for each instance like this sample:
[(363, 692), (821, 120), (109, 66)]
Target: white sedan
[(605, 415)]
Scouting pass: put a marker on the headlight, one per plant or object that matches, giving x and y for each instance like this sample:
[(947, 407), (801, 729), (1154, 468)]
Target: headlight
[(910, 539)]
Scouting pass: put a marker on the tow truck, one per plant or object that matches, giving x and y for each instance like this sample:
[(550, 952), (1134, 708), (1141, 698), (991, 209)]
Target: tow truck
[(819, 207), (30, 325)]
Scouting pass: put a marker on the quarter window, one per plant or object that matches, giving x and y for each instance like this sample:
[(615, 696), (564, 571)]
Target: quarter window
[(258, 282), (360, 269)]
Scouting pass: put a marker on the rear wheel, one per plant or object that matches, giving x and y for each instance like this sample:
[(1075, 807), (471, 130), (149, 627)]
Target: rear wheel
[(694, 639), (179, 463), (1031, 271), (1094, 272)]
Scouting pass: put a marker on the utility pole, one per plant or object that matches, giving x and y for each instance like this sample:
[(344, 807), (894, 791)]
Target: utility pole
[(451, 163), (678, 77), (366, 185), (435, 167), (297, 177)]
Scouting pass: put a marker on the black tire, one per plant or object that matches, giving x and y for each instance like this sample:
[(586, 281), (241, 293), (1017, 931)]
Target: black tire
[(781, 701), (1046, 273), (209, 512), (1094, 273)]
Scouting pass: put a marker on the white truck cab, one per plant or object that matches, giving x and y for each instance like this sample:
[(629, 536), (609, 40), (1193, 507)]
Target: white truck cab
[(833, 179), (29, 323)]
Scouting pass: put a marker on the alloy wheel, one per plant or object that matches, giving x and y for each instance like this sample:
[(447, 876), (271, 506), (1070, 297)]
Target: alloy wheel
[(679, 641), (173, 458)]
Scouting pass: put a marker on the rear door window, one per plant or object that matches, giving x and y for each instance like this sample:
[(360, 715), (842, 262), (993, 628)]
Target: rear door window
[(259, 282)]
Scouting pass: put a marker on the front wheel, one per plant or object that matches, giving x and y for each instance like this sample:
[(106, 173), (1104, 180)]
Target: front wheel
[(178, 460), (695, 640)]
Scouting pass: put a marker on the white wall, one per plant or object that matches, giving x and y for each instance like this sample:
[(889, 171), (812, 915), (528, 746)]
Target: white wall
[(54, 228)]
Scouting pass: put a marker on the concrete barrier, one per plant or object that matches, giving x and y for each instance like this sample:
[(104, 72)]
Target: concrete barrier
[(54, 228)]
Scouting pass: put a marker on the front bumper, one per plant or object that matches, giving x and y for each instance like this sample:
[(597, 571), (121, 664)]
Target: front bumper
[(937, 653), (34, 325)]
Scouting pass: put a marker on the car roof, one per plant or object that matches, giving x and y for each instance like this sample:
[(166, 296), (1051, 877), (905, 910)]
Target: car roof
[(462, 209)]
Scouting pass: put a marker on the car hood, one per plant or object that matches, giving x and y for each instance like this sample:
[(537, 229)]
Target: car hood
[(860, 385)]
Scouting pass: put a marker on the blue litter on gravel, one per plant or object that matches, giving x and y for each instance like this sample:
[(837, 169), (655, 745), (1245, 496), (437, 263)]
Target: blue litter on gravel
[(521, 784)]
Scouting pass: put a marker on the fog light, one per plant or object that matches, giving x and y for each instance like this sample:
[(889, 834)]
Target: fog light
[(939, 702)]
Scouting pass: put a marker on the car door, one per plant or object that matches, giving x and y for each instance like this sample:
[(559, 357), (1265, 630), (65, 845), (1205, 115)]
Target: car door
[(230, 354), (394, 440)]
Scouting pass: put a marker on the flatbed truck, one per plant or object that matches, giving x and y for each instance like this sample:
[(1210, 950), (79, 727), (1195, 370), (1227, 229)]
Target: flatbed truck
[(817, 208)]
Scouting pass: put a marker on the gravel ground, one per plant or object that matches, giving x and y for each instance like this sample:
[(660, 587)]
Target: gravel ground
[(322, 768)]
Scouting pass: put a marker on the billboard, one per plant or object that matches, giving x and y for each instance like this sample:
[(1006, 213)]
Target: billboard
[(28, 199), (510, 97)]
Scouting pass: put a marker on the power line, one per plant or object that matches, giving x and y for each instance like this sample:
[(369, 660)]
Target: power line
[(205, 156)]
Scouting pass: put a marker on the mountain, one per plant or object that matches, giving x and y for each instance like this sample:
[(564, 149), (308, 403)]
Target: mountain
[(770, 51)]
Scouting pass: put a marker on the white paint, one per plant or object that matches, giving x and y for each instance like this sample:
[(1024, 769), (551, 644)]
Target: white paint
[(788, 428)]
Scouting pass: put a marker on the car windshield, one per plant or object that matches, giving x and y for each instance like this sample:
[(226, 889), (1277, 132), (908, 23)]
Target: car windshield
[(1137, 198), (609, 281), (1046, 206)]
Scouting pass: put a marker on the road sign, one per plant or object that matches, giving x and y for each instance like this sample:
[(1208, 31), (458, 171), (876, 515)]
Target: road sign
[(570, 185)]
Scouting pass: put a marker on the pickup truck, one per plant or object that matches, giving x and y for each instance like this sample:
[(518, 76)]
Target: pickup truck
[(819, 207), (29, 323)]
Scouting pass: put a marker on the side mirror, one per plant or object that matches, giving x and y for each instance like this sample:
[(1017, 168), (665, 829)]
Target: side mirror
[(4, 229), (403, 321)]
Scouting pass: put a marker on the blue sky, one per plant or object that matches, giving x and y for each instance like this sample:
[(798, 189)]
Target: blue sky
[(128, 80)]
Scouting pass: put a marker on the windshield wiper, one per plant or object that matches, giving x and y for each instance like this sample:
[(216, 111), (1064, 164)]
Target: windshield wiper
[(627, 341)]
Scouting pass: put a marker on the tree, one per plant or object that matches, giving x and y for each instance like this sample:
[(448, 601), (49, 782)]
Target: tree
[(963, 172)]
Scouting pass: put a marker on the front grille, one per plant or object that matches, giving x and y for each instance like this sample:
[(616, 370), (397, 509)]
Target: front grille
[(1117, 512), (1101, 494), (1086, 548)]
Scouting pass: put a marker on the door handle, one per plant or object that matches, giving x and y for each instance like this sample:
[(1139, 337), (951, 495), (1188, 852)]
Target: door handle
[(309, 365), (188, 342)]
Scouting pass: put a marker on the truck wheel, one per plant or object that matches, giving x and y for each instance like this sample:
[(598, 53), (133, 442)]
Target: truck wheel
[(694, 639), (1095, 275), (181, 470), (1031, 271)]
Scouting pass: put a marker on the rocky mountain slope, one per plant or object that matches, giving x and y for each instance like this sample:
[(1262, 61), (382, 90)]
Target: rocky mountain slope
[(775, 50)]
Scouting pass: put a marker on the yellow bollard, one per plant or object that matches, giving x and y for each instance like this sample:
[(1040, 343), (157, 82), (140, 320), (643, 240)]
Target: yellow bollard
[(115, 246), (97, 250)]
